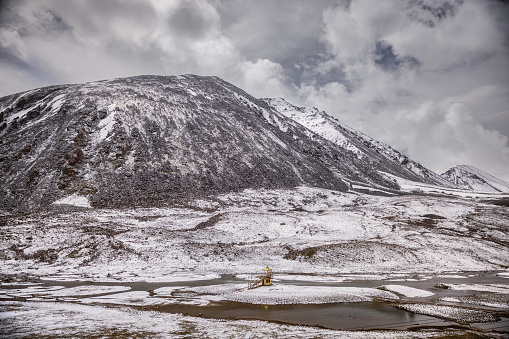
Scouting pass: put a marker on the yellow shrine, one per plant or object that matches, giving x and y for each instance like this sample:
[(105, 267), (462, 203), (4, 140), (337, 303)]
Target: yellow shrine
[(262, 280)]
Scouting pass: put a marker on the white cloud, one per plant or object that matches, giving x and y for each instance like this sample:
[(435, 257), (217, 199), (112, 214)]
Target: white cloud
[(468, 36), (128, 38), (432, 109), (11, 43), (445, 133), (264, 78), (352, 32)]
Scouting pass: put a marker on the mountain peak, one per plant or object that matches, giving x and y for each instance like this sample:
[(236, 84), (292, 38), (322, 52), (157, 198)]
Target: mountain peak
[(471, 178)]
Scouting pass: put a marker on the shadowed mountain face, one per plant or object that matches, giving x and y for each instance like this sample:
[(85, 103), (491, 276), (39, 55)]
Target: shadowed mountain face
[(153, 140)]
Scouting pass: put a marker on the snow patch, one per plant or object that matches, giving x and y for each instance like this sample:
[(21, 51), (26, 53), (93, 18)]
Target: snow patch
[(301, 277), (31, 291), (179, 277), (290, 294), (56, 103), (60, 291), (451, 276), (74, 200), (494, 288), (407, 291), (503, 274), (489, 300), (18, 115), (450, 313), (107, 123)]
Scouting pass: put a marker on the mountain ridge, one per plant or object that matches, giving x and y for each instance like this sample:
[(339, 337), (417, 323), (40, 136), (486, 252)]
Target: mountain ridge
[(152, 140), (359, 143), (149, 140)]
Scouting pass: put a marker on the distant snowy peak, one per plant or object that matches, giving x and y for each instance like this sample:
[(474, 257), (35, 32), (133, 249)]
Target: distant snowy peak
[(472, 178), (363, 146)]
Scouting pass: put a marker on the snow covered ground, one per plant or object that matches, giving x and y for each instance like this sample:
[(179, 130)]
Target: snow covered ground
[(61, 291), (288, 294), (489, 300), (303, 231), (74, 200), (494, 288), (449, 312), (305, 235)]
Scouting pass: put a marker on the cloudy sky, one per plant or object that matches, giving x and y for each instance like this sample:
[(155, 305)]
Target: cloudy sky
[(428, 77)]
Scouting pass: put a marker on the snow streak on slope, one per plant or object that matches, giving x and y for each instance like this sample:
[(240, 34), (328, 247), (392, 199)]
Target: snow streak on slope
[(472, 178), (360, 144)]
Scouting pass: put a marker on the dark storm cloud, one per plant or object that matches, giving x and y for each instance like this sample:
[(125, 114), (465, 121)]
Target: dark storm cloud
[(388, 60), (188, 21), (274, 29), (438, 10), (312, 74), (99, 17)]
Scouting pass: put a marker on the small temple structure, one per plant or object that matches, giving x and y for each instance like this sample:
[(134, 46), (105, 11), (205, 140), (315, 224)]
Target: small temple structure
[(262, 280)]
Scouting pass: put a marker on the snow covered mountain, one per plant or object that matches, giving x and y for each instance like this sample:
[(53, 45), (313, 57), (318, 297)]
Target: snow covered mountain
[(364, 147), (152, 140), (472, 178), (149, 140)]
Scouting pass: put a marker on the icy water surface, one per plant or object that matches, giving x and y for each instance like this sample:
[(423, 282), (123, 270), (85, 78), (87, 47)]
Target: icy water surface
[(181, 298)]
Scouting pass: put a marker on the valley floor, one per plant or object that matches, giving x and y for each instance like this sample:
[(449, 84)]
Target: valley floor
[(89, 264)]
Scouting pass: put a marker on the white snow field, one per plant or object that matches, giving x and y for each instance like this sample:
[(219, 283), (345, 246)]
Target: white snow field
[(489, 300), (61, 291)]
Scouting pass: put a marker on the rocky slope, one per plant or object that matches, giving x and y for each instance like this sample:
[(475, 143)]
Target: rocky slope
[(388, 159), (472, 178), (152, 140)]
